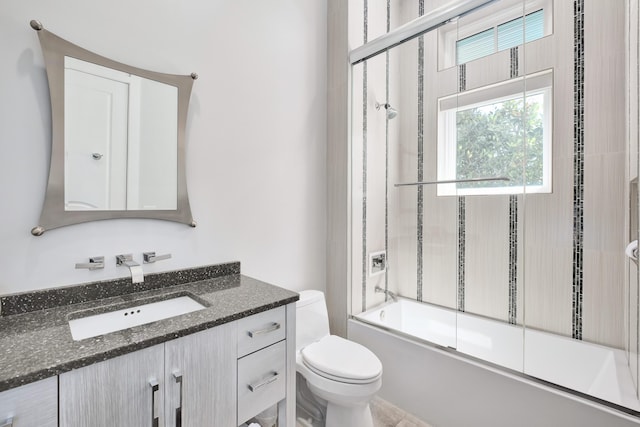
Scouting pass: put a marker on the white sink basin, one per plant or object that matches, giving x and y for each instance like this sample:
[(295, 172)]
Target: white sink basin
[(112, 321)]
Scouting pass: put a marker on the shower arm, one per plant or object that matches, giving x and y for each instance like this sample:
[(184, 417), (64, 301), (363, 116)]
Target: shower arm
[(453, 181)]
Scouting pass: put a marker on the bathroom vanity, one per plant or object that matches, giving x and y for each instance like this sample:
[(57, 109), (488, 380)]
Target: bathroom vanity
[(218, 366)]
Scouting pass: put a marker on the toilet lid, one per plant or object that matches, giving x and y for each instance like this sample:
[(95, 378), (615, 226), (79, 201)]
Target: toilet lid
[(342, 360)]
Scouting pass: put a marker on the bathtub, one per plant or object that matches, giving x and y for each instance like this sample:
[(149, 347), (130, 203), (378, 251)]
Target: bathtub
[(536, 362)]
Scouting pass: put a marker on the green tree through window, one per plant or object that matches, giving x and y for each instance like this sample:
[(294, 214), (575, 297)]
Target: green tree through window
[(491, 142)]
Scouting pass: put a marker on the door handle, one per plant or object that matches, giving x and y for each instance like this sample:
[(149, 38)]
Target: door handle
[(154, 389), (255, 387), (177, 375), (274, 327)]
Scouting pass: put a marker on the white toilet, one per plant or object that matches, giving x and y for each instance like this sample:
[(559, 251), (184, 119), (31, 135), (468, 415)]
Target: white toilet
[(341, 374)]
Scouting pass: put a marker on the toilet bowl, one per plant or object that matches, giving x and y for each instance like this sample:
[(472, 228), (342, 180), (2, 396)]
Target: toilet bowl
[(343, 376)]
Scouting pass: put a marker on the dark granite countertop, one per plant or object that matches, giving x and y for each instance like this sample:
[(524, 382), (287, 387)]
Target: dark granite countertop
[(38, 344)]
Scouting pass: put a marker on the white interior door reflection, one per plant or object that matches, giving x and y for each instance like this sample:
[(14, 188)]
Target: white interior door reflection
[(120, 140), (96, 109)]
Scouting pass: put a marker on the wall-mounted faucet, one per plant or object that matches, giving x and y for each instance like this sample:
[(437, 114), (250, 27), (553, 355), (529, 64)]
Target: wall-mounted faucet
[(390, 294), (137, 275)]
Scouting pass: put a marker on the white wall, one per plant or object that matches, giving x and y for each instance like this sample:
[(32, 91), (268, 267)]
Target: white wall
[(255, 139), (337, 165)]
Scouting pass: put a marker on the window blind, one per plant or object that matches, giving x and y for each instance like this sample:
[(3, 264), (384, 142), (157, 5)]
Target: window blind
[(504, 36)]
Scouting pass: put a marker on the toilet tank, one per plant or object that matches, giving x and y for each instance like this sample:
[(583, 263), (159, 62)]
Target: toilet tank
[(312, 320)]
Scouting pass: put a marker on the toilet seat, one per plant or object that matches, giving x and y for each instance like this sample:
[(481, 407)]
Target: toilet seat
[(341, 360)]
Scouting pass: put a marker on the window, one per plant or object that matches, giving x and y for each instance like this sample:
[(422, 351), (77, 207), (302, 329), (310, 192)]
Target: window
[(494, 28), (504, 36), (497, 131)]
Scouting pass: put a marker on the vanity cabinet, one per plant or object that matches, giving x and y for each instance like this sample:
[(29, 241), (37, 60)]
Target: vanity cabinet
[(189, 381), (219, 377), (30, 405)]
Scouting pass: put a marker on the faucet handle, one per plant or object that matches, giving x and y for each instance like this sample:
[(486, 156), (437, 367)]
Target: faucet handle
[(95, 263), (150, 257)]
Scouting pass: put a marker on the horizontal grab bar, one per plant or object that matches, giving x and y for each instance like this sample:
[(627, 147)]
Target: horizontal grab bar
[(454, 181)]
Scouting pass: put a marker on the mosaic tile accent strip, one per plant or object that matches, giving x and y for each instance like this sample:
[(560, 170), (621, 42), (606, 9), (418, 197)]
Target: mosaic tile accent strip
[(55, 297), (461, 251), (462, 86), (513, 259), (364, 163), (514, 67), (420, 207), (578, 168), (514, 71), (462, 77), (365, 14)]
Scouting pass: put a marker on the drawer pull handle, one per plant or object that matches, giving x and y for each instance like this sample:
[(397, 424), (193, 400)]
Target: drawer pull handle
[(272, 378), (274, 327), (7, 423), (154, 388), (178, 377)]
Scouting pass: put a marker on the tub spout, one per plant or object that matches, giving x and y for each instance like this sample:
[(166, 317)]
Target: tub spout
[(389, 294)]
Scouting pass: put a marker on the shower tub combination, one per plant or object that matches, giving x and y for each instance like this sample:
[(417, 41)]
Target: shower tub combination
[(449, 367), (431, 357)]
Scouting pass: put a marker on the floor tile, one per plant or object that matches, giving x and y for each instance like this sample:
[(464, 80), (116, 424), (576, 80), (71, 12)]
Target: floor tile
[(386, 414)]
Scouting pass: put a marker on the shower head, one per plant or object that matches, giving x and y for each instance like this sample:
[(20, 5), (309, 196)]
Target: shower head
[(391, 112)]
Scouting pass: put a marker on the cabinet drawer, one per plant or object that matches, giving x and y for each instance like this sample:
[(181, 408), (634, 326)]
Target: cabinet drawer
[(261, 380), (260, 330)]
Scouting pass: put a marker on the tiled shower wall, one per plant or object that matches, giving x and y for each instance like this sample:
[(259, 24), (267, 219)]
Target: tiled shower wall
[(513, 258), (369, 149)]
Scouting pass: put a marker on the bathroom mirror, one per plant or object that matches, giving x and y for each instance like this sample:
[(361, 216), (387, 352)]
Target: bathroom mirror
[(118, 139)]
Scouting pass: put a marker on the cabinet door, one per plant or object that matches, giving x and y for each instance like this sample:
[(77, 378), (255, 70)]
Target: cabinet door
[(201, 370), (34, 404), (116, 392)]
